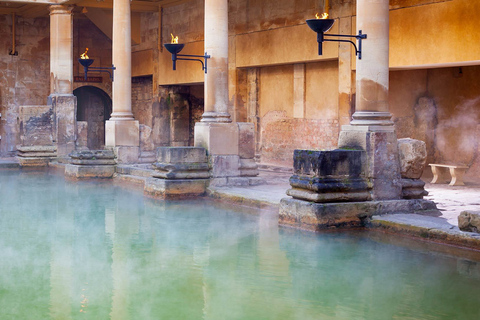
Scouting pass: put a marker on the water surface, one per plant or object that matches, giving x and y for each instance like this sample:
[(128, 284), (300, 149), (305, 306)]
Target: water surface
[(95, 250)]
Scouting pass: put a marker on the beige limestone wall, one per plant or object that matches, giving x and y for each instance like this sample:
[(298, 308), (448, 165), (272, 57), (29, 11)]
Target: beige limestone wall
[(442, 107), (186, 21), (281, 131), (276, 90), (321, 90), (443, 32), (24, 79)]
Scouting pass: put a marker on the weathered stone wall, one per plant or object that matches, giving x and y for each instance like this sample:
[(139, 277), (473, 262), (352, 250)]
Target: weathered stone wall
[(297, 108), (36, 126), (87, 35), (282, 135), (181, 108), (441, 107), (24, 79), (142, 100)]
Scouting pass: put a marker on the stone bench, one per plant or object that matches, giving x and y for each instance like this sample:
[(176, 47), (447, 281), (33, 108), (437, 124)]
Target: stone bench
[(440, 176)]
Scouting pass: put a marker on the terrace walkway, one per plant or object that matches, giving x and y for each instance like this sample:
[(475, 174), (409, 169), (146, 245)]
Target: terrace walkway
[(450, 200)]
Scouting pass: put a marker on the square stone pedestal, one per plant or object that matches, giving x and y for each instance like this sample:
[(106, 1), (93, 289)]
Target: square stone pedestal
[(122, 133), (35, 156), (217, 138), (383, 165), (89, 171), (231, 151), (124, 138), (91, 164), (180, 172)]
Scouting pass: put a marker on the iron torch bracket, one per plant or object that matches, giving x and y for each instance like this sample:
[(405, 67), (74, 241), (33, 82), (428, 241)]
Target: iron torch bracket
[(188, 57), (86, 67), (359, 37), (109, 70), (175, 48)]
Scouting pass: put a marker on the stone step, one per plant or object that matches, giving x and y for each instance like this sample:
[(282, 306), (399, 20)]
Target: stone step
[(134, 171), (272, 168), (130, 178), (9, 164)]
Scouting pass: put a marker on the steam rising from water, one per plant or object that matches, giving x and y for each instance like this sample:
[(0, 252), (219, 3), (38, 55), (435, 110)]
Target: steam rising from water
[(102, 252)]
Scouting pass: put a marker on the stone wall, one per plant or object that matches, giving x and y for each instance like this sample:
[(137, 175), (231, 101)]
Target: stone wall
[(142, 100), (181, 107), (87, 35), (24, 79), (441, 107), (282, 135)]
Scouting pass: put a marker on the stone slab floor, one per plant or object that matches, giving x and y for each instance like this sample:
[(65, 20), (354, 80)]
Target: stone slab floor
[(451, 200)]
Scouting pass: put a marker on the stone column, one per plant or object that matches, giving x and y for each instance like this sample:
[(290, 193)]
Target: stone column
[(216, 45), (371, 128), (373, 69), (61, 99), (61, 49), (122, 131), (230, 145), (215, 132)]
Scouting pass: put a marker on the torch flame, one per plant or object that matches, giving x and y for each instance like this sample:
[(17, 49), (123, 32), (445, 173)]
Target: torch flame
[(324, 16), (174, 39), (84, 55)]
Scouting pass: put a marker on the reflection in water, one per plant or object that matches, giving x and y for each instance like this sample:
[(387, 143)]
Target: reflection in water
[(92, 250)]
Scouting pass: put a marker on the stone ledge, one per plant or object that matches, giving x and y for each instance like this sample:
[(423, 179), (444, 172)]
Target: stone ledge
[(90, 171), (316, 216), (235, 181), (175, 189), (25, 161), (426, 227)]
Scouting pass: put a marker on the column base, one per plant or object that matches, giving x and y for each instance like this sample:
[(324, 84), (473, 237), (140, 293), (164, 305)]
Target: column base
[(369, 118), (383, 166), (126, 155), (217, 138), (216, 117), (122, 133), (64, 106)]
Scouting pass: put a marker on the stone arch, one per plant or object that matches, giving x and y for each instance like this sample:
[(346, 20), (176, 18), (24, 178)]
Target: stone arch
[(94, 107)]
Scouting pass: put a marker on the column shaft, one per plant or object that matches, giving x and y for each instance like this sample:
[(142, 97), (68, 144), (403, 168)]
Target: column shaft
[(61, 50), (122, 60), (373, 68), (216, 45), (122, 130)]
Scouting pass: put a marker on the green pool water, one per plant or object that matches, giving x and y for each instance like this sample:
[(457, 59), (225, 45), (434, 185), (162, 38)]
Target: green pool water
[(98, 250)]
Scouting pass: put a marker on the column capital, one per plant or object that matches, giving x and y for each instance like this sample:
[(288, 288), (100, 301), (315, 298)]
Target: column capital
[(60, 9)]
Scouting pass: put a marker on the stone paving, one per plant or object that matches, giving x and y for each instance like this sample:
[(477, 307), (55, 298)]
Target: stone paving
[(451, 200)]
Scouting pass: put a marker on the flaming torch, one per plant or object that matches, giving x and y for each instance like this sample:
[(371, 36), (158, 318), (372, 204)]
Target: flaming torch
[(84, 55), (322, 24), (86, 62), (174, 48)]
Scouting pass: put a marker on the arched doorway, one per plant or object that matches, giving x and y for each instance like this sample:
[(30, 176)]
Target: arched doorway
[(94, 106)]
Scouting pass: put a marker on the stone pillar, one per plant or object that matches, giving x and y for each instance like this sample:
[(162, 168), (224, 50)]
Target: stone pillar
[(122, 130), (215, 132), (373, 69), (61, 49), (225, 141), (371, 128), (61, 98), (216, 45)]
